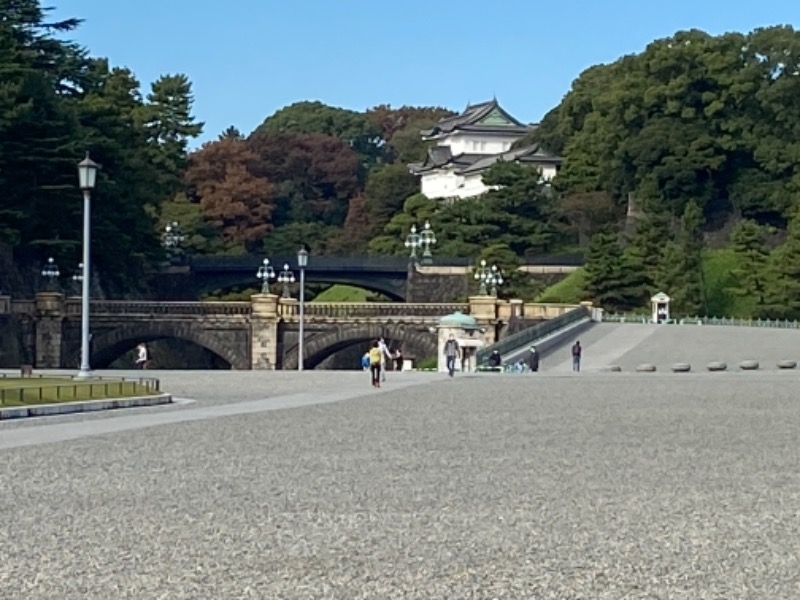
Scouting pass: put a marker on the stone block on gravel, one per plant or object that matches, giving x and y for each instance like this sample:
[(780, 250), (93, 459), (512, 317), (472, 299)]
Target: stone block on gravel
[(611, 369), (749, 365), (681, 368), (787, 364), (646, 368), (717, 365)]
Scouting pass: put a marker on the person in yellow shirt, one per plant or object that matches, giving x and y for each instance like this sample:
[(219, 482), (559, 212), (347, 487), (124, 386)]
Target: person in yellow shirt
[(375, 359)]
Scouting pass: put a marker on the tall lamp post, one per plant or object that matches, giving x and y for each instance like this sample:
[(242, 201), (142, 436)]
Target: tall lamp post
[(87, 178), (427, 239), (413, 241), (489, 277), (265, 273), (302, 263), (51, 273), (286, 278)]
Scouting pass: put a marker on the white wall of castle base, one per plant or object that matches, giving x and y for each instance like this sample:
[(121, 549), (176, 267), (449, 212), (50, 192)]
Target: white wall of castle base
[(445, 183)]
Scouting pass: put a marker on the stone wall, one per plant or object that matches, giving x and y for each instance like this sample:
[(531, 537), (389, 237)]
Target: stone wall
[(426, 284)]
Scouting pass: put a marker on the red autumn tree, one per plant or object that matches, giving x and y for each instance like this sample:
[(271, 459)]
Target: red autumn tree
[(317, 175), (238, 202)]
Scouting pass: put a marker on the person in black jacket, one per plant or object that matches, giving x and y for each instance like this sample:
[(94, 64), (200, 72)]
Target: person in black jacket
[(533, 359), (495, 360)]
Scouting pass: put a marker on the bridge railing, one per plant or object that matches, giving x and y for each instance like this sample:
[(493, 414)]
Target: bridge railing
[(348, 310), (130, 308)]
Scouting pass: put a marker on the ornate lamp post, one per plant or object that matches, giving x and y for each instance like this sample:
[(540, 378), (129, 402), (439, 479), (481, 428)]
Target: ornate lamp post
[(51, 274), (413, 241), (173, 236), (427, 239), (77, 276), (302, 263), (265, 273), (489, 277), (286, 278), (87, 178)]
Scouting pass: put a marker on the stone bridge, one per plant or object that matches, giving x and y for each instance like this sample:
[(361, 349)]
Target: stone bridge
[(396, 278), (260, 334)]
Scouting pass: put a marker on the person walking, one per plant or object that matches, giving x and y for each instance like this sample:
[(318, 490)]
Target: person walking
[(533, 359), (386, 357), (375, 360), (141, 359), (451, 353), (577, 351)]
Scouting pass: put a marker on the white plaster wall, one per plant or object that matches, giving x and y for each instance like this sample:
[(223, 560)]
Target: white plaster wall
[(439, 184), (478, 143)]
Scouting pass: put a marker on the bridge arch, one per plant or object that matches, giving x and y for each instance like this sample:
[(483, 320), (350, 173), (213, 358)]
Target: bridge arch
[(414, 338), (109, 346)]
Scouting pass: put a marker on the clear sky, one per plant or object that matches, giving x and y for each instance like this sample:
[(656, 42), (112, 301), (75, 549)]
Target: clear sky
[(248, 58)]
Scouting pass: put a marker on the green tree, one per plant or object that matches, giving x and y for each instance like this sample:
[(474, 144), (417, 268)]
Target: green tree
[(612, 281), (694, 117), (128, 195), (646, 248), (386, 190), (782, 296), (749, 244), (352, 128), (170, 125)]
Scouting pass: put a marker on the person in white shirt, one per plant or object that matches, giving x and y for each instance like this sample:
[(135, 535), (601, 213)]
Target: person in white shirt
[(141, 360), (387, 355)]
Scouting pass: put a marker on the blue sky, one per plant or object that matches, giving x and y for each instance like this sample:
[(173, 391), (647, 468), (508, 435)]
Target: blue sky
[(248, 58)]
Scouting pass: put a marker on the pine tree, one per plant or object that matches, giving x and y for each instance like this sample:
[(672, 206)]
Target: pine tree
[(613, 281), (680, 273), (782, 297), (170, 124), (749, 244), (646, 247)]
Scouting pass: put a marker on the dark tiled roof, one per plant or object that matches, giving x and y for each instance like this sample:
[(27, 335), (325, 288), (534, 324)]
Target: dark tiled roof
[(434, 160), (469, 121), (530, 155)]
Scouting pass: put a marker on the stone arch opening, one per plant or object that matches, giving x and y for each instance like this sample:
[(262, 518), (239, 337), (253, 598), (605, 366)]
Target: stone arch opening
[(414, 339), (108, 347)]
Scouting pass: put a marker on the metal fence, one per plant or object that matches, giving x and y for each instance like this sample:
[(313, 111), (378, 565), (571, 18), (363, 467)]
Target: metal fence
[(532, 334), (713, 321), (76, 390)]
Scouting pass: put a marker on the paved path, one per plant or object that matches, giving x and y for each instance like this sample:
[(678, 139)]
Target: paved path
[(605, 344)]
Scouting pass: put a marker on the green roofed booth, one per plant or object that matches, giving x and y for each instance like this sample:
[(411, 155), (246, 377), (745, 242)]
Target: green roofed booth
[(469, 335)]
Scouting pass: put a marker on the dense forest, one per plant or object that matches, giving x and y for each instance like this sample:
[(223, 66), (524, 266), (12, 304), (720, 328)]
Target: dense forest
[(673, 154)]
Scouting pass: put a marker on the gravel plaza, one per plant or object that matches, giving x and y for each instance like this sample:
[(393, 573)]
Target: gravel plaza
[(314, 485)]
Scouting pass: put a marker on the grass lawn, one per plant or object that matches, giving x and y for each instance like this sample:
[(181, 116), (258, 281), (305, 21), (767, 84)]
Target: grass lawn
[(342, 293), (567, 291), (15, 391), (718, 274)]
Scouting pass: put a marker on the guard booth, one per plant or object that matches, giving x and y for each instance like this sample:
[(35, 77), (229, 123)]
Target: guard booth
[(660, 307), (468, 334)]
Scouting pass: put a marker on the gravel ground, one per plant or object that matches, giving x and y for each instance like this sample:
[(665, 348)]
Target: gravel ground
[(493, 486)]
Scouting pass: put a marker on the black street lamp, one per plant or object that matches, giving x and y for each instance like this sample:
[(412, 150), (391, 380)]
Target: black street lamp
[(427, 239), (173, 236), (51, 274), (286, 278), (77, 277), (265, 273), (489, 277), (413, 241)]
